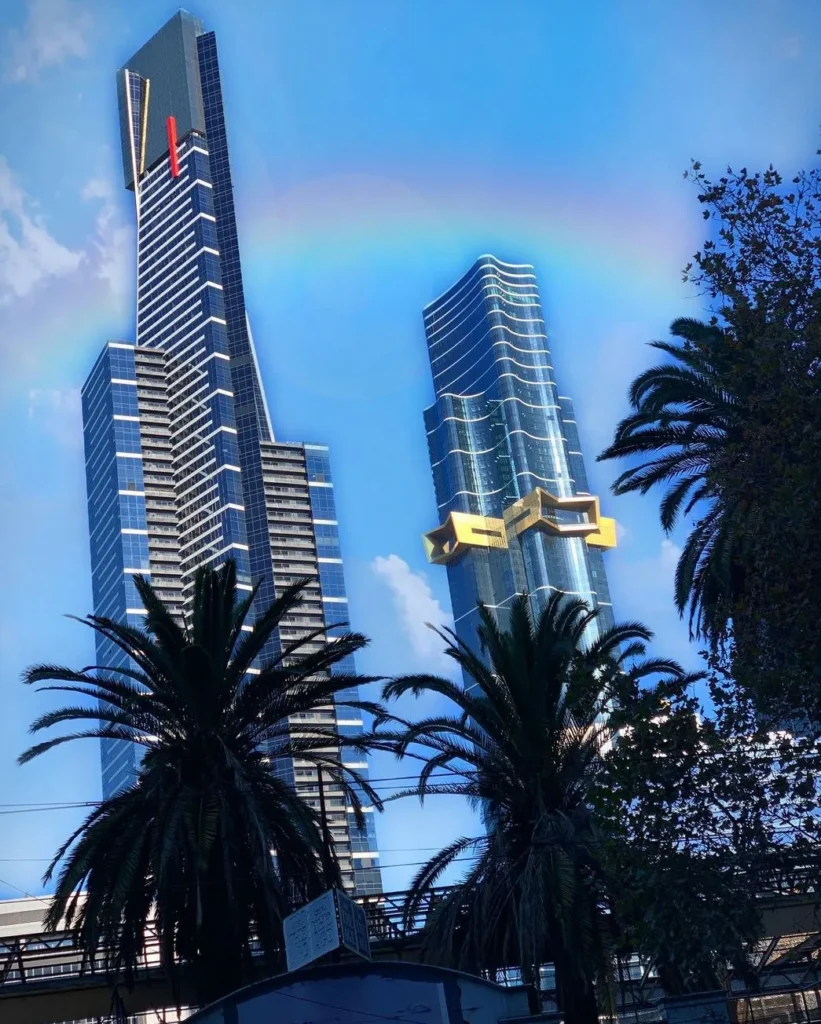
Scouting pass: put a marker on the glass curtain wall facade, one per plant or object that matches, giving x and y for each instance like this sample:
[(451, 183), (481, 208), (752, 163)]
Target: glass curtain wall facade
[(515, 510), (182, 466)]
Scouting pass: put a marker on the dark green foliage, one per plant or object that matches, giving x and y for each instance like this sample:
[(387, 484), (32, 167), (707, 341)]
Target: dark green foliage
[(732, 426), (525, 744), (702, 816), (187, 849), (766, 248), (775, 645), (685, 425), (684, 806)]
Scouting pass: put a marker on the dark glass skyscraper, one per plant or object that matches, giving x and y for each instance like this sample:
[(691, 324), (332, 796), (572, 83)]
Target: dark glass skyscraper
[(181, 462), (515, 510)]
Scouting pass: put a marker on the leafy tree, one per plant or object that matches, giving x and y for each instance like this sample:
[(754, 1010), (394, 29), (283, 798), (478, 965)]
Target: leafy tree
[(525, 743), (702, 814), (190, 845), (766, 246), (738, 414)]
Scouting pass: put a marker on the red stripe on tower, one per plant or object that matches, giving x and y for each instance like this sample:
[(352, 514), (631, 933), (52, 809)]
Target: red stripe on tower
[(171, 125)]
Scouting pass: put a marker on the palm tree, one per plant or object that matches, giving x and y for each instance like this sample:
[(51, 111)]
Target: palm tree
[(687, 423), (524, 743), (191, 844)]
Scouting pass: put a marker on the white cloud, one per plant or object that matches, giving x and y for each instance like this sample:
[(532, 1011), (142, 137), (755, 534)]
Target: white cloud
[(97, 188), (417, 606), (668, 559), (58, 411), (28, 253), (114, 243), (54, 30)]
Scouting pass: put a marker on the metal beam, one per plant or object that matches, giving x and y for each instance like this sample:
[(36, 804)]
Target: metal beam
[(43, 978)]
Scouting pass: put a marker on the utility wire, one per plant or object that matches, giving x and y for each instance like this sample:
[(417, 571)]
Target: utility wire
[(349, 1009), (50, 807), (409, 864), (382, 849), (24, 807), (30, 896)]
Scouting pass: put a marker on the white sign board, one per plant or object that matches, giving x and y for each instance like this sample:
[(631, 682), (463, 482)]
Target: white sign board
[(311, 932), (323, 925), (353, 925)]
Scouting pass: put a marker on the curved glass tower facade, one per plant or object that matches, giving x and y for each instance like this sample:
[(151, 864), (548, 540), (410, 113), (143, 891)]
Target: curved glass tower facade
[(515, 510), (182, 466)]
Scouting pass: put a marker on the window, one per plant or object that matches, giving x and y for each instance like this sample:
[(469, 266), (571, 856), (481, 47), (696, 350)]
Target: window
[(331, 580), (322, 502)]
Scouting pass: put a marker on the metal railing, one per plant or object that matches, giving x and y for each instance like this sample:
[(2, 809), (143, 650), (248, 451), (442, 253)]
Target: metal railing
[(43, 957), (40, 956)]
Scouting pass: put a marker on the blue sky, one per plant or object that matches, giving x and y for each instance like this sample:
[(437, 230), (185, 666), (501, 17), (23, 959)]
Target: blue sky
[(378, 147)]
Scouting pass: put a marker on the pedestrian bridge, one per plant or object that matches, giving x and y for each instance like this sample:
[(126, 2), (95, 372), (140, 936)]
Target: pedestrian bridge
[(44, 978)]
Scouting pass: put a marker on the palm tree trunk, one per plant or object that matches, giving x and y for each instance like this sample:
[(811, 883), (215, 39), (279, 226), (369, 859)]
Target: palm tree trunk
[(532, 982), (220, 968), (582, 1008), (576, 997)]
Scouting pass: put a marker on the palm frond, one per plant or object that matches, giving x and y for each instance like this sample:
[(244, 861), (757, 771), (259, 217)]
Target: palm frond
[(686, 420), (527, 745), (208, 839)]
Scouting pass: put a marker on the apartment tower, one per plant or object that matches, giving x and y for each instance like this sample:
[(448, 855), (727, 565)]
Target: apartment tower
[(515, 511), (182, 466)]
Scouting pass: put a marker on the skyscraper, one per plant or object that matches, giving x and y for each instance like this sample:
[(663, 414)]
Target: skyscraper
[(181, 462), (515, 511)]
